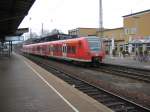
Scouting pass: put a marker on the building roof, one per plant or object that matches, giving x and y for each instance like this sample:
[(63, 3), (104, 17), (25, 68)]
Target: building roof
[(12, 12), (85, 28), (114, 29), (141, 12)]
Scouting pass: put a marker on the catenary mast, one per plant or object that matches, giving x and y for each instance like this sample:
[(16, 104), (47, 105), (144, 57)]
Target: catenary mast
[(100, 18)]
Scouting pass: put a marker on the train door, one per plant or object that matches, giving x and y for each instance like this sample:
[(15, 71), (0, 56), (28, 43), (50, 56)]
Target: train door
[(64, 50), (41, 50), (46, 50), (51, 50)]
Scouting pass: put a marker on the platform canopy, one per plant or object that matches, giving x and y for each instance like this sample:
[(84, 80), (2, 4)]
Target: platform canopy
[(12, 12)]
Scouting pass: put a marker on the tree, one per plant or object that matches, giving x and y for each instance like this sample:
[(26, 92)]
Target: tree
[(34, 35), (45, 32), (56, 31)]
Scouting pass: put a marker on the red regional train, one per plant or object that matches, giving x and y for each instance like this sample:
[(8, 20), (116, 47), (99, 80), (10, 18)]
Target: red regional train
[(82, 49)]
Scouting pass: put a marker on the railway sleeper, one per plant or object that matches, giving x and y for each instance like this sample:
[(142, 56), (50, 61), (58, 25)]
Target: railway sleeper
[(62, 77), (131, 72), (85, 89), (136, 76), (100, 97), (92, 94), (78, 83), (132, 109), (120, 107), (127, 109), (91, 91), (65, 78), (114, 104), (82, 85), (106, 100), (69, 82)]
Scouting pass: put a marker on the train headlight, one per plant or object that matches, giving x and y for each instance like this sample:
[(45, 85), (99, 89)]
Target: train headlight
[(88, 53), (96, 54)]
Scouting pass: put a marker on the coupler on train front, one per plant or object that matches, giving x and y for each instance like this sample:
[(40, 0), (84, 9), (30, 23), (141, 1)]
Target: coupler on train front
[(96, 60)]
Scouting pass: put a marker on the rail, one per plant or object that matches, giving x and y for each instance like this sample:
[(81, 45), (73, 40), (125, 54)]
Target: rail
[(112, 101)]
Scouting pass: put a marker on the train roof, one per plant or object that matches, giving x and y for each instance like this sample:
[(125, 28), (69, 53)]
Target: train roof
[(71, 39), (52, 37)]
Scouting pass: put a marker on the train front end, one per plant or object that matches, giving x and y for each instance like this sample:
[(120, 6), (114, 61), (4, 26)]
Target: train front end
[(96, 50)]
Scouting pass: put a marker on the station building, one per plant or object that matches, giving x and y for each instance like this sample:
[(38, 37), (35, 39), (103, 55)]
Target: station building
[(137, 31), (113, 39), (83, 31), (133, 37)]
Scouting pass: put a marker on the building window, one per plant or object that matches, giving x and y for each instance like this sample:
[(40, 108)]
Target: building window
[(130, 31), (133, 30), (126, 31)]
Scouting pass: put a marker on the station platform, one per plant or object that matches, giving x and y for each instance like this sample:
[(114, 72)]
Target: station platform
[(26, 87), (127, 61)]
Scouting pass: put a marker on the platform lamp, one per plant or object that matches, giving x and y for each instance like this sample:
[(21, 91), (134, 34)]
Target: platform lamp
[(42, 29), (30, 28)]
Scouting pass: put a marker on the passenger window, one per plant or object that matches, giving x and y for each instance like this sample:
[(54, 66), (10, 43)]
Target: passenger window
[(73, 49)]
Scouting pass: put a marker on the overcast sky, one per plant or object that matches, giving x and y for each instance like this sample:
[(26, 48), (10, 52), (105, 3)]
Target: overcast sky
[(69, 14)]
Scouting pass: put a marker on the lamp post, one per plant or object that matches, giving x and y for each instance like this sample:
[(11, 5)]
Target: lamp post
[(42, 30), (30, 28)]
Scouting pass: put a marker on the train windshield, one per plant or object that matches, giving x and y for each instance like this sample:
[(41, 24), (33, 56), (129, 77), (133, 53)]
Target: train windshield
[(94, 43)]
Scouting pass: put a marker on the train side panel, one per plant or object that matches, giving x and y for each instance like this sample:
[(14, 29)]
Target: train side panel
[(79, 49)]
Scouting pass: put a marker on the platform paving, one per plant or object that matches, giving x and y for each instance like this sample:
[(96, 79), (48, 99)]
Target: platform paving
[(127, 61), (26, 87)]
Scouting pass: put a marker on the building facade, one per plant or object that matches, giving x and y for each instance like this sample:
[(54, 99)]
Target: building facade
[(133, 37), (113, 40), (83, 32), (137, 31)]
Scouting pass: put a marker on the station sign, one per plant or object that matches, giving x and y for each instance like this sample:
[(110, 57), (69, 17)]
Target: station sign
[(21, 31), (14, 38)]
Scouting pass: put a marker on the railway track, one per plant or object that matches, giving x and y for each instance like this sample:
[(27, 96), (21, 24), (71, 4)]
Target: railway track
[(115, 102), (124, 71), (135, 73)]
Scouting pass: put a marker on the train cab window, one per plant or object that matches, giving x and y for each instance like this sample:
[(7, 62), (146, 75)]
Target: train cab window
[(94, 43)]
